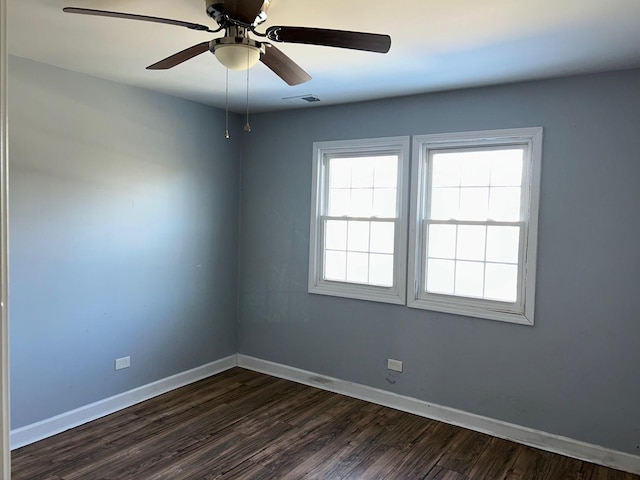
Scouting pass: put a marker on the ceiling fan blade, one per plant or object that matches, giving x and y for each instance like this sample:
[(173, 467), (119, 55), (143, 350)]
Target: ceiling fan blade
[(371, 42), (283, 66), (178, 58), (244, 11), (144, 18)]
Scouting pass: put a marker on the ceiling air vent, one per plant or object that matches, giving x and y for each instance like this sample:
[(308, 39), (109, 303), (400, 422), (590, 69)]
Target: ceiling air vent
[(302, 99)]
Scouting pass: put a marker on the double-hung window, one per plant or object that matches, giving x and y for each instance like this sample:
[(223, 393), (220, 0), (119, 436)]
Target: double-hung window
[(359, 219), (474, 221)]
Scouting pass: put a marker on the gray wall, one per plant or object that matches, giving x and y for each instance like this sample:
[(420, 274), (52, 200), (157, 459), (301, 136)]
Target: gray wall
[(124, 220), (576, 372)]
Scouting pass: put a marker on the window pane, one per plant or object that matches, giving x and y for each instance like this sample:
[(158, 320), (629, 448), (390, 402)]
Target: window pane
[(358, 236), (504, 204), (445, 170), (473, 223), (474, 203), (442, 241), (506, 168), (339, 202), (357, 267), (361, 202), (340, 172), (381, 270), (335, 265), (440, 276), (503, 244), (384, 203), (474, 169), (357, 212), (471, 240), (501, 282), (362, 173), (385, 173), (335, 237), (382, 237), (445, 203), (351, 186), (469, 279)]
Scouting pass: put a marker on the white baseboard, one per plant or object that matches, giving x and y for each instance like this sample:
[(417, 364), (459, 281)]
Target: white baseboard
[(51, 426), (497, 428)]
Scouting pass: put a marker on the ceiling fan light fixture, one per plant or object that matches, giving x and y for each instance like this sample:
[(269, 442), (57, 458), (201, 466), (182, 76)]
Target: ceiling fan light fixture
[(236, 53), (237, 57)]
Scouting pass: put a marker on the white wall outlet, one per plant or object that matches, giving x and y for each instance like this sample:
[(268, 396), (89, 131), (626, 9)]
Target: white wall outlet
[(124, 362), (395, 365)]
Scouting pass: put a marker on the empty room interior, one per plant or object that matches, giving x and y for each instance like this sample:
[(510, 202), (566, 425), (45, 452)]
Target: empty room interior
[(420, 263)]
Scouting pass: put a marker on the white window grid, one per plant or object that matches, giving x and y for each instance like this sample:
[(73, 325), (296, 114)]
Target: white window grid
[(367, 290), (351, 221), (365, 251), (520, 224), (457, 223), (520, 310)]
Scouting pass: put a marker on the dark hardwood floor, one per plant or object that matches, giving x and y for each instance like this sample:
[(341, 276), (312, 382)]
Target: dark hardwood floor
[(245, 425)]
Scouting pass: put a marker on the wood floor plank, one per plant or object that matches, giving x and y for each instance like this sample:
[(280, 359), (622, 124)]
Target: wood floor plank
[(213, 461), (359, 446), (245, 425), (402, 430), (303, 454), (530, 464), (441, 473), (463, 451), (417, 462), (362, 462), (384, 463), (343, 452), (247, 470), (569, 469), (496, 459)]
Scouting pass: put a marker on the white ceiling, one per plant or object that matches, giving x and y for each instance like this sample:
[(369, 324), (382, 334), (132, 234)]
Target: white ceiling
[(436, 45)]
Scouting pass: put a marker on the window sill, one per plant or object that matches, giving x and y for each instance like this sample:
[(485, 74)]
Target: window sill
[(469, 310), (358, 292)]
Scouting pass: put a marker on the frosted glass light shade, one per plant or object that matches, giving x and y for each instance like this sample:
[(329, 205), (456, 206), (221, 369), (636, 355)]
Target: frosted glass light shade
[(237, 56)]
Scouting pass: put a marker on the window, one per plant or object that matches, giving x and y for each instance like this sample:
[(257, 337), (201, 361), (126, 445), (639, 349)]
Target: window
[(474, 223), (359, 219)]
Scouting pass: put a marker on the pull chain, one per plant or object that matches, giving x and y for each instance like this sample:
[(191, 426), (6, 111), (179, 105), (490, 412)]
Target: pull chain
[(226, 110), (247, 127)]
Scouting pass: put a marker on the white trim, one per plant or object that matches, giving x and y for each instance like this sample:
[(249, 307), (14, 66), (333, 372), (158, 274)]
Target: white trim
[(317, 285), (497, 428), (54, 425), (521, 311), (5, 454)]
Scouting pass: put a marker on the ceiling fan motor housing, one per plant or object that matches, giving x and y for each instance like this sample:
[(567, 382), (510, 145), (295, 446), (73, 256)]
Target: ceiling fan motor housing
[(215, 10)]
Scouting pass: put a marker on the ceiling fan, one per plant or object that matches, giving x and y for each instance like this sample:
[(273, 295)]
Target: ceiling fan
[(236, 50)]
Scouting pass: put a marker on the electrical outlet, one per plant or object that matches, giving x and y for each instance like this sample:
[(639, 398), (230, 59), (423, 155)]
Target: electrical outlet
[(124, 362), (395, 365)]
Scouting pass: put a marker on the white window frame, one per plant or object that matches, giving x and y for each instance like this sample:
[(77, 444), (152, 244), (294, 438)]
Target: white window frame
[(377, 146), (521, 311)]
